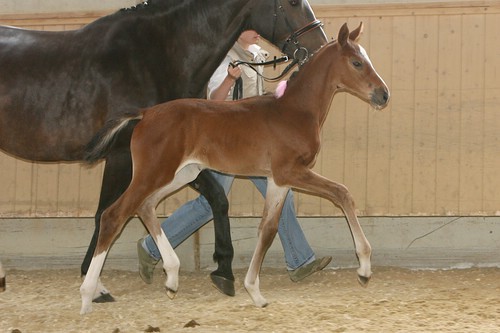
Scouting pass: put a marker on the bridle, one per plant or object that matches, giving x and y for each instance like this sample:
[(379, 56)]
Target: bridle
[(301, 54)]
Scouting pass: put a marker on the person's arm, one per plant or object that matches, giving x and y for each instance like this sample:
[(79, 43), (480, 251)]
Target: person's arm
[(220, 93), (221, 82)]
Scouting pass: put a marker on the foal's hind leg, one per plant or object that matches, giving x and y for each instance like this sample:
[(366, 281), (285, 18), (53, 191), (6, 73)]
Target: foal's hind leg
[(275, 197), (112, 222), (116, 178), (147, 213), (223, 276), (171, 262)]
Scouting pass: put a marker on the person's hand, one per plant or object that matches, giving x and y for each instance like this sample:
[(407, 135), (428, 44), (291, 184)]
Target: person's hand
[(234, 72)]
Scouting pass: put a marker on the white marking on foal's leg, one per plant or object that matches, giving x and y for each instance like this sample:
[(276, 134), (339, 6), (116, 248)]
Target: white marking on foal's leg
[(364, 271), (252, 284), (89, 285), (171, 264), (100, 291), (253, 289)]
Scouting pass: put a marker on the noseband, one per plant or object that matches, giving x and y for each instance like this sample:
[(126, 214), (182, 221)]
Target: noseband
[(301, 54)]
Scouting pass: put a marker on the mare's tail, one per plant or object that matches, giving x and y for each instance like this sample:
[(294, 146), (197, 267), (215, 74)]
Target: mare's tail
[(115, 132)]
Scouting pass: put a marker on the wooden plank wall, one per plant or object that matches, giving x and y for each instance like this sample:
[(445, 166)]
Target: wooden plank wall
[(434, 151)]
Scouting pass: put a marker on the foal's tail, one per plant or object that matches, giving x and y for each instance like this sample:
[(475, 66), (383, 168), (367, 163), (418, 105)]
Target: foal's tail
[(115, 132)]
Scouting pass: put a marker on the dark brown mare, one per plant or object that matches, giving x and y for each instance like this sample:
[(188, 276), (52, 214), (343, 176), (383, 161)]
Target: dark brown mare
[(278, 138), (57, 89)]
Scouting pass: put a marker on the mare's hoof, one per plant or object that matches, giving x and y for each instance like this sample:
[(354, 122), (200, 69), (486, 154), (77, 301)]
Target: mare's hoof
[(363, 280), (104, 298), (223, 285), (171, 293), (2, 284)]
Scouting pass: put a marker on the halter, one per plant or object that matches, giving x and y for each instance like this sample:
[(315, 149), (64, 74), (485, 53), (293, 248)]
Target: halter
[(301, 54)]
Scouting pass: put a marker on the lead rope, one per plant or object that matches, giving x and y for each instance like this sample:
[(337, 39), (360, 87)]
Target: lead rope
[(238, 89)]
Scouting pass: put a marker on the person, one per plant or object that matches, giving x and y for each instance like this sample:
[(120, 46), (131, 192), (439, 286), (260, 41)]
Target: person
[(299, 256)]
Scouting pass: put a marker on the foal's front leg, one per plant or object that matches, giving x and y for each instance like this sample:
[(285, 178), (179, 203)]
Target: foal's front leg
[(275, 197), (337, 193)]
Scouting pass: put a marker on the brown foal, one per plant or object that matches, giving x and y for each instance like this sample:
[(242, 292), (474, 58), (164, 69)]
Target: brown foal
[(278, 138)]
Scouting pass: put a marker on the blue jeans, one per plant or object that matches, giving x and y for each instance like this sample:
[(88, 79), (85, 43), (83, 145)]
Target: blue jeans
[(196, 213)]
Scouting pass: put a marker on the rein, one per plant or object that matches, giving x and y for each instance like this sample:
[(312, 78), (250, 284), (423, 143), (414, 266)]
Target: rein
[(271, 62)]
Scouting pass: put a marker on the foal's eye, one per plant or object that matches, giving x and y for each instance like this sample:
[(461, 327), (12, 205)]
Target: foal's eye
[(293, 2), (357, 63)]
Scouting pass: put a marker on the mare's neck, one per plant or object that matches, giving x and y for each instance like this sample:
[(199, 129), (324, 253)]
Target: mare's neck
[(197, 33)]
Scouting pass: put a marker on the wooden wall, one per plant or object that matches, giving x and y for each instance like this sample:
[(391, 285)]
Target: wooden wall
[(433, 151)]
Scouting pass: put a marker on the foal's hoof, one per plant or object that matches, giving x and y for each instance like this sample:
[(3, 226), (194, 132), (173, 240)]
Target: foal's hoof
[(363, 280), (104, 298), (2, 284), (223, 285), (171, 293)]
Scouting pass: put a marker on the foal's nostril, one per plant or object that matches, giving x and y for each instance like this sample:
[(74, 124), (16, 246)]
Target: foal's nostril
[(385, 96), (380, 97)]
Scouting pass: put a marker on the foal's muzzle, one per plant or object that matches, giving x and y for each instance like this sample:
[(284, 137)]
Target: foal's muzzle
[(380, 97)]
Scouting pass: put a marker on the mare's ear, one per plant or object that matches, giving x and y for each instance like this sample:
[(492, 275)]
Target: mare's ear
[(355, 34), (343, 35)]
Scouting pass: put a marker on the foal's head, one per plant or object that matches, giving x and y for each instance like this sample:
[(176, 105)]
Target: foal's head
[(357, 75)]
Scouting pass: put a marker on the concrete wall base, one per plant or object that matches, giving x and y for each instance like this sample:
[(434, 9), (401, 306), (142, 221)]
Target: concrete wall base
[(413, 242)]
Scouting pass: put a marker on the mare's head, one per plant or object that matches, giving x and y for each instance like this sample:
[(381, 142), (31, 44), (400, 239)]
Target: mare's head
[(356, 72), (290, 25)]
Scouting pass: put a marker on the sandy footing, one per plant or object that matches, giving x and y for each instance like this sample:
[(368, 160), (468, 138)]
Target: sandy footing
[(396, 300)]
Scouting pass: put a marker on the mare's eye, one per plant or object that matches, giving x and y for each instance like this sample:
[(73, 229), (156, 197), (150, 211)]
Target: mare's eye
[(357, 63), (293, 2)]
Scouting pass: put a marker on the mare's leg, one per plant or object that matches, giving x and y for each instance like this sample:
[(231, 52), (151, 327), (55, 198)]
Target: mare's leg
[(2, 278), (275, 197), (224, 252), (307, 180)]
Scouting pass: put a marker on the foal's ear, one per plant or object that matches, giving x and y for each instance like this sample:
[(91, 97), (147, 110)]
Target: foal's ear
[(355, 34), (343, 35)]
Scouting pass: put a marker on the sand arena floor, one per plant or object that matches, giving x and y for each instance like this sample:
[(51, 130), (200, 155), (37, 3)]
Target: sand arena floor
[(397, 300)]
